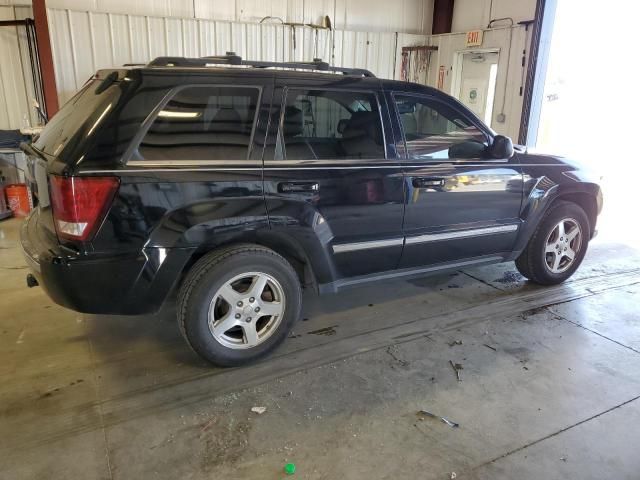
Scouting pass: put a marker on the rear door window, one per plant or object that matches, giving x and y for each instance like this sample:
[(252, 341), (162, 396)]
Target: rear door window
[(328, 125), (202, 123)]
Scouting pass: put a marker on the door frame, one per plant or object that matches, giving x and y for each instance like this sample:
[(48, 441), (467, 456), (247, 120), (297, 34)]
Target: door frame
[(456, 81)]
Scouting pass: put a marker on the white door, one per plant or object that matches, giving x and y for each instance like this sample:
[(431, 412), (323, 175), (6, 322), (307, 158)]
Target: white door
[(478, 83)]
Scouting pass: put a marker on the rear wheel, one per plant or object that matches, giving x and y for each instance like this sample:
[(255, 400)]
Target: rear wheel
[(238, 304), (557, 247)]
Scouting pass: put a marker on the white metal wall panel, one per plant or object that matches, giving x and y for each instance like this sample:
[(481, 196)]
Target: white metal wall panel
[(156, 38), (102, 46), (409, 40), (323, 46), (140, 44), (190, 38), (84, 42), (160, 8), (63, 52), (473, 14), (173, 36), (80, 34), (215, 9), (121, 38), (381, 48), (412, 16)]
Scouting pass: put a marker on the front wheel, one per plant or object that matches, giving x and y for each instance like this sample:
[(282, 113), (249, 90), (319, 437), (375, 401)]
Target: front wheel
[(238, 304), (557, 247)]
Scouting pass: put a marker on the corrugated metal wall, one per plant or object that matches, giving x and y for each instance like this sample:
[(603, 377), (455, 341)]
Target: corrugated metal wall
[(84, 42), (410, 16), (16, 90), (92, 34)]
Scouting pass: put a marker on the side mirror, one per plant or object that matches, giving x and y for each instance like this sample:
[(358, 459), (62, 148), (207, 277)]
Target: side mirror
[(502, 147), (468, 149)]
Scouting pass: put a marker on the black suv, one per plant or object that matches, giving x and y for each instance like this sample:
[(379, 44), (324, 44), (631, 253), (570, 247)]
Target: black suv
[(238, 183)]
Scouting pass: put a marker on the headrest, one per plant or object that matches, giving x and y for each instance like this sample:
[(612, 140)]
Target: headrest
[(227, 120), (293, 121), (364, 124), (342, 124), (409, 123)]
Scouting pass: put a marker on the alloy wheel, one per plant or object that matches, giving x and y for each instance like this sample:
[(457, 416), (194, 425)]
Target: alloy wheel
[(562, 245), (246, 310)]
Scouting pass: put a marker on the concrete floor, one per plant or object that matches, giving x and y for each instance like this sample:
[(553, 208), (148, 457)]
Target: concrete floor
[(550, 384)]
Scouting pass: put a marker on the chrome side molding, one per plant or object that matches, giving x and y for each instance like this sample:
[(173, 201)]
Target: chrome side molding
[(452, 235), (352, 247), (432, 237)]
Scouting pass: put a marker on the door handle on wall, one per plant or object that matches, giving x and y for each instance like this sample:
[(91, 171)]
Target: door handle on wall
[(298, 187), (425, 182)]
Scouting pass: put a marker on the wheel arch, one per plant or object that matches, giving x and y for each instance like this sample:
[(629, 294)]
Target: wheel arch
[(586, 201), (283, 245), (546, 193)]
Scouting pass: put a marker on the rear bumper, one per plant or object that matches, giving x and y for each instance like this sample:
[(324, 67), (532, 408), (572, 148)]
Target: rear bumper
[(29, 254), (123, 284)]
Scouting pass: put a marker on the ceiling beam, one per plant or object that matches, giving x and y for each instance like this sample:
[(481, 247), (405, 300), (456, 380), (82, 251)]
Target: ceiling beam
[(442, 16)]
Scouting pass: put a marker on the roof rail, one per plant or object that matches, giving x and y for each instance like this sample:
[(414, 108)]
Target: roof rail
[(232, 59)]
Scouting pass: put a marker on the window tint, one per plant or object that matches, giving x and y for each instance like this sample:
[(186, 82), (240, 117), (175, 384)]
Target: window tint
[(203, 123), (321, 125), (436, 131), (79, 116)]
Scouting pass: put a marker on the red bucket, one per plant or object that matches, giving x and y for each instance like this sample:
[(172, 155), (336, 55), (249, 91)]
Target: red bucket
[(19, 199)]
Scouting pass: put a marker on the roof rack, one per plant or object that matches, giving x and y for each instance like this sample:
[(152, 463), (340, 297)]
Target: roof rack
[(232, 59)]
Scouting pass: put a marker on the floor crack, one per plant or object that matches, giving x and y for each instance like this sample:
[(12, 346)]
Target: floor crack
[(482, 281), (560, 317), (99, 404), (554, 434)]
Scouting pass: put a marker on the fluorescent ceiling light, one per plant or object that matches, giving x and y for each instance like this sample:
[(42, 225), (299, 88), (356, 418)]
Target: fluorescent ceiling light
[(172, 114)]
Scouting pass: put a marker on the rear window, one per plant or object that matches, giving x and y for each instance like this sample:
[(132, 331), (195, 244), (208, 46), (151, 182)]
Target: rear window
[(80, 115)]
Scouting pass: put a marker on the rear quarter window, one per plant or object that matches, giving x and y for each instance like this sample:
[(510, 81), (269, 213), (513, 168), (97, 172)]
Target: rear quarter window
[(202, 123)]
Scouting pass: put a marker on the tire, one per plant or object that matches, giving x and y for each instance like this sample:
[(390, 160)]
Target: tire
[(217, 311), (537, 264)]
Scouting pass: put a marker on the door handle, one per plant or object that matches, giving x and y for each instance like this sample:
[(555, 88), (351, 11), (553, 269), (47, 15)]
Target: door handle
[(424, 182), (298, 187)]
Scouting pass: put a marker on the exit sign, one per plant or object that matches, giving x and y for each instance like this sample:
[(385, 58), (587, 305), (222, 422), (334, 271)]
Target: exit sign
[(474, 38)]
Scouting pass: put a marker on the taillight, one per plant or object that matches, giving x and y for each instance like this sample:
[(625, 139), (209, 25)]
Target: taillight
[(80, 203)]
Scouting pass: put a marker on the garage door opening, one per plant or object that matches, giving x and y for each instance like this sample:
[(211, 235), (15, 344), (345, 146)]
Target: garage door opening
[(587, 110)]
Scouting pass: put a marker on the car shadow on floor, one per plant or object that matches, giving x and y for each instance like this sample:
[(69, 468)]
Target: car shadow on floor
[(142, 340)]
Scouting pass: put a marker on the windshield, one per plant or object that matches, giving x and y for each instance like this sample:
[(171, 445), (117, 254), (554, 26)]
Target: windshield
[(80, 116)]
